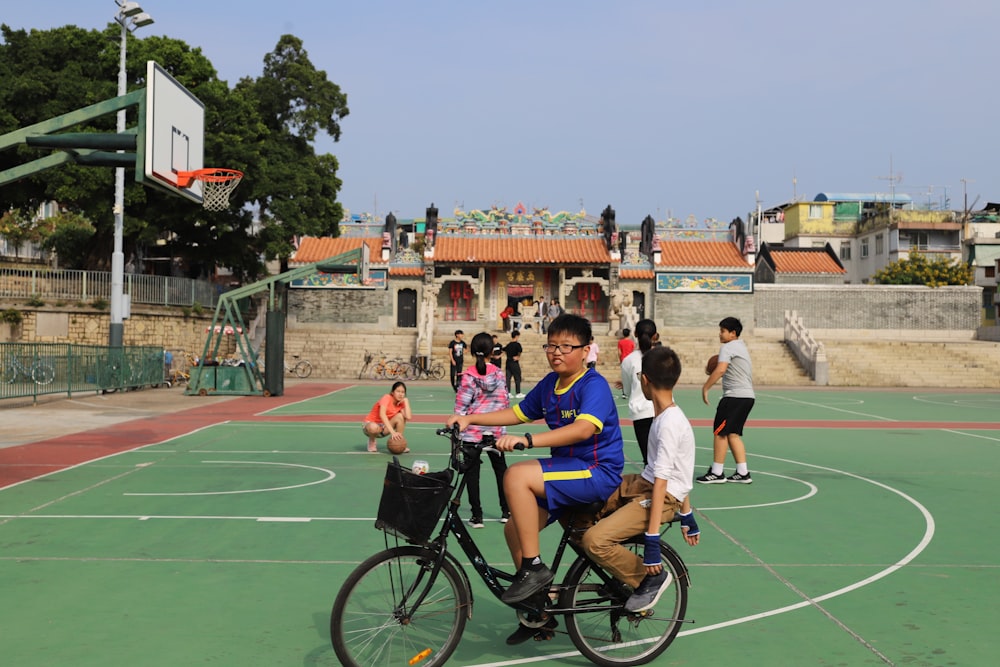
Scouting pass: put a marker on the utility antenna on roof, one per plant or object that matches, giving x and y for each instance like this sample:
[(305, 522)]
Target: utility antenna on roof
[(893, 178)]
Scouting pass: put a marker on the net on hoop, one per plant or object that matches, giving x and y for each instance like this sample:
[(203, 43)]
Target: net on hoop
[(216, 185)]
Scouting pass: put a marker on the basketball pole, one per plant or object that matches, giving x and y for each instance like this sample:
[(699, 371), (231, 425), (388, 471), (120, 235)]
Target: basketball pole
[(130, 16)]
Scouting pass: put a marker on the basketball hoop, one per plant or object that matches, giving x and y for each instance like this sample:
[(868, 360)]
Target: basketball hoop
[(216, 185)]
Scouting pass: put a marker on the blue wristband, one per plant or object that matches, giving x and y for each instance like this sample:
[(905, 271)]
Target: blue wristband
[(651, 553), (687, 520)]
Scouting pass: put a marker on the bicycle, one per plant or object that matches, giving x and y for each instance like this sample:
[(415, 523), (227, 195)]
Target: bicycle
[(302, 368), (422, 369), (38, 371), (409, 603)]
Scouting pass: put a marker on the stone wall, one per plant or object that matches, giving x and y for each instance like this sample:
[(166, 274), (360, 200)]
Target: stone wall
[(83, 326), (870, 307), (701, 309)]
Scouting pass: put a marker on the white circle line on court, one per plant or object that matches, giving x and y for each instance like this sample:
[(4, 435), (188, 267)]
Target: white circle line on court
[(812, 490), (329, 475), (921, 545)]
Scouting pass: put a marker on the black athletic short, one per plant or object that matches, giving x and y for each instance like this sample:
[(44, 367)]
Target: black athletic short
[(731, 415)]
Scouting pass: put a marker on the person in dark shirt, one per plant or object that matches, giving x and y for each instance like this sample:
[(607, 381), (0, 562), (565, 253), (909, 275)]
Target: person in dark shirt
[(513, 351), (456, 352)]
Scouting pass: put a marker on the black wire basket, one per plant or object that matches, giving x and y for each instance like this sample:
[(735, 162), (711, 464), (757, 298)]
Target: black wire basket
[(412, 504)]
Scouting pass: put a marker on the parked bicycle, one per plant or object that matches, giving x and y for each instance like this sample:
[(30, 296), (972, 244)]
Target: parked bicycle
[(378, 367), (409, 603), (38, 370), (421, 369), (301, 368)]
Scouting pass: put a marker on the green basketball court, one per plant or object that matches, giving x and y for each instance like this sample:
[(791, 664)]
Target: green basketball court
[(221, 536)]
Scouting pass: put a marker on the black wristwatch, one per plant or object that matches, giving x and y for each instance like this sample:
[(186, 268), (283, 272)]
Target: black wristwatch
[(527, 436)]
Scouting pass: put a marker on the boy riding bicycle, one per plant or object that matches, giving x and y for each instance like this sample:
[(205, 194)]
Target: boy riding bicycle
[(586, 461), (646, 500)]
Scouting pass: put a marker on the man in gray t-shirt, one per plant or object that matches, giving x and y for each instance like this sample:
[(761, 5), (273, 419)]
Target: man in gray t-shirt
[(736, 372)]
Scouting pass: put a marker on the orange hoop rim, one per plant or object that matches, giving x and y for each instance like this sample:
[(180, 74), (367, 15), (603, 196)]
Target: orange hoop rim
[(208, 175)]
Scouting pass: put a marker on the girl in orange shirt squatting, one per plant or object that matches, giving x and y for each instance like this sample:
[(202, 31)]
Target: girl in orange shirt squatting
[(388, 417)]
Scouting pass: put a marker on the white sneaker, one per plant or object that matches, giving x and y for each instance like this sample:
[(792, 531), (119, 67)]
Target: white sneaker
[(518, 395)]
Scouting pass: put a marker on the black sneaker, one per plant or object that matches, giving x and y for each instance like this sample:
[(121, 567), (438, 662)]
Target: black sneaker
[(524, 633), (711, 478), (740, 479), (649, 592), (526, 583), (505, 517), (477, 522)]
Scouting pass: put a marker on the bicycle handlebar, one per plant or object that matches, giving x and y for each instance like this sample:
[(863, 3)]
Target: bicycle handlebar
[(487, 442)]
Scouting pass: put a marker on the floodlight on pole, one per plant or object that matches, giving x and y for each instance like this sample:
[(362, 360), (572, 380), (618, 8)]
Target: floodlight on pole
[(129, 16)]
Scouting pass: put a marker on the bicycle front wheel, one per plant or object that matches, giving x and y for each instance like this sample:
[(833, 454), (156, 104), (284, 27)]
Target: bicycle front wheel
[(610, 636), (437, 372), (303, 369), (373, 622)]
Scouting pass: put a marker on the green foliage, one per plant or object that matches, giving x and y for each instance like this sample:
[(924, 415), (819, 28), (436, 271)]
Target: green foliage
[(68, 236), (918, 270), (99, 303), (35, 301), (197, 308), (264, 127), (19, 227), (12, 316)]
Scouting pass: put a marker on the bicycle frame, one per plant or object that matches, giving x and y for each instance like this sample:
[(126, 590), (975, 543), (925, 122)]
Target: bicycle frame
[(490, 575)]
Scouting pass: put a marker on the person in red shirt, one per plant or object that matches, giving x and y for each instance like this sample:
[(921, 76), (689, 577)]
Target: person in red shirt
[(388, 417), (625, 345)]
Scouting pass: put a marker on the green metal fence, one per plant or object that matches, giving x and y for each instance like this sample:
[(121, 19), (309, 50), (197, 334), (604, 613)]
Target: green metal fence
[(36, 369)]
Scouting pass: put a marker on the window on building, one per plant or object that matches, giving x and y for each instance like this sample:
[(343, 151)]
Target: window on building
[(815, 211), (991, 272), (864, 248), (879, 244), (845, 250), (819, 244)]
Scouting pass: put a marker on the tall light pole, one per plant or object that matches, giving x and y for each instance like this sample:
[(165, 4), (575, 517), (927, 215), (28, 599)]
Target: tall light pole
[(129, 16)]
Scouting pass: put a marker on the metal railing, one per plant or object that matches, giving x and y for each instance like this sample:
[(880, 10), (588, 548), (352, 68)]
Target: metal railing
[(36, 369), (74, 285)]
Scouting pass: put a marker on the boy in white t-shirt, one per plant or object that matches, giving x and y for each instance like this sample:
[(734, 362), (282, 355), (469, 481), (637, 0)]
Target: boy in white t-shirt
[(642, 502)]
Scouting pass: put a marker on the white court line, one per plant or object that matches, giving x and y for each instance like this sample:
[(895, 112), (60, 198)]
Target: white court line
[(809, 602), (108, 456), (329, 475), (829, 407)]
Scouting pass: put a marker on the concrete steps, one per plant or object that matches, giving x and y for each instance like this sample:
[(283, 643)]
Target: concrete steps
[(865, 363)]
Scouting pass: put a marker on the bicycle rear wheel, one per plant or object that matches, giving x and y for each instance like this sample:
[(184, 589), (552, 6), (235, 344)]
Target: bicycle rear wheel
[(43, 373), (612, 637), (437, 372), (303, 369), (373, 623)]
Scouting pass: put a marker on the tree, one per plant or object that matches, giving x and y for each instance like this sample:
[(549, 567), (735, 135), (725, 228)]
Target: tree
[(67, 235), (19, 227), (264, 127), (918, 270), (296, 190)]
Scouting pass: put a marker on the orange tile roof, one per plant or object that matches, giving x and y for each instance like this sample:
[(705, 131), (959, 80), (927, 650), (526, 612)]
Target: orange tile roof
[(804, 260), (636, 274), (520, 250), (406, 271), (702, 255), (312, 249)]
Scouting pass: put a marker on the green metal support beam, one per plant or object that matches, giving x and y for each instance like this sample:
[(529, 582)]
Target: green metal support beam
[(227, 314), (86, 154)]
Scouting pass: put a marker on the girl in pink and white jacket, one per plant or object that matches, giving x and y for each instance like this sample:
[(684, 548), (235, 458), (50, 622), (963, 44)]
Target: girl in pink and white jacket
[(483, 389)]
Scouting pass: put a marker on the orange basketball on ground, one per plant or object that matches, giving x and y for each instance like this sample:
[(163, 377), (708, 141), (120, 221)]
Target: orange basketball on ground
[(713, 361), (397, 445)]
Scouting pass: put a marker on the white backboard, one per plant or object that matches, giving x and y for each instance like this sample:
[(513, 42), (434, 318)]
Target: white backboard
[(174, 133)]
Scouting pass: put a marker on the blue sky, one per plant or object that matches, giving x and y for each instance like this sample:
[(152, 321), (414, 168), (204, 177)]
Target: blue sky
[(653, 106)]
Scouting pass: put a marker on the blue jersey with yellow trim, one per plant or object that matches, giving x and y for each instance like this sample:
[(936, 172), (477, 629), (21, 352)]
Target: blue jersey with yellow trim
[(590, 398)]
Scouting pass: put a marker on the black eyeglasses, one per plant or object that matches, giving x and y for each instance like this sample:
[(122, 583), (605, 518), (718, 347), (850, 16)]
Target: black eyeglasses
[(565, 348)]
